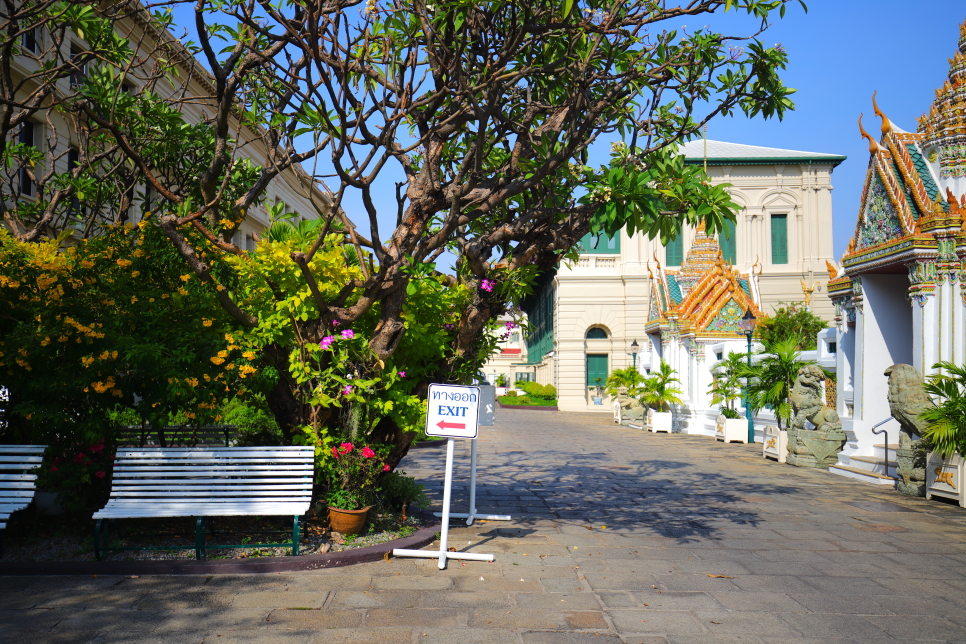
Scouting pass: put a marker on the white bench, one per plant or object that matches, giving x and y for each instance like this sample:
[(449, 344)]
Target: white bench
[(200, 482), (17, 483)]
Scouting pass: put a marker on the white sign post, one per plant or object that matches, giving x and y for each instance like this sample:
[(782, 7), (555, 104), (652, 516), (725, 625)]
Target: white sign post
[(452, 412), (487, 409)]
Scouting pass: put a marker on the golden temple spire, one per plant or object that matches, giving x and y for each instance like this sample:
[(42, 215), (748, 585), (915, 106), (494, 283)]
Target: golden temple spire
[(873, 144), (886, 124)]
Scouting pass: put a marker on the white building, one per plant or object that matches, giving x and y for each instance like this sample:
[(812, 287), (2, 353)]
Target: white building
[(585, 316), (901, 298)]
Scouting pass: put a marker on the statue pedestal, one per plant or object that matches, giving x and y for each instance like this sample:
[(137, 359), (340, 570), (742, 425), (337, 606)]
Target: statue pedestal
[(911, 467), (813, 448)]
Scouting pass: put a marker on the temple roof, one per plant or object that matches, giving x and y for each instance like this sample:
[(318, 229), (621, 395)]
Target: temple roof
[(721, 152), (706, 297)]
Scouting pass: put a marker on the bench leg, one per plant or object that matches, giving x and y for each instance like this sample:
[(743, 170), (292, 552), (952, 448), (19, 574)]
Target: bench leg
[(200, 538), (97, 537), (295, 536)]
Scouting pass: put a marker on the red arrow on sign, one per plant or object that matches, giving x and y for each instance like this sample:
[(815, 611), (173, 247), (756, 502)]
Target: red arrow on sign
[(444, 425)]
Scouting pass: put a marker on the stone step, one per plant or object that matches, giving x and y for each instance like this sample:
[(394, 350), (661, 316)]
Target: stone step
[(879, 448), (873, 464), (862, 475)]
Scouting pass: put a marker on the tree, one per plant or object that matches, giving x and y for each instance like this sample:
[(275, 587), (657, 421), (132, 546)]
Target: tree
[(486, 111), (791, 321), (726, 386), (771, 379), (657, 390)]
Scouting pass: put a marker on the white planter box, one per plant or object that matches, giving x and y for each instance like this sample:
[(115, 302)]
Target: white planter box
[(501, 391), (731, 430), (660, 421), (776, 444), (946, 478)]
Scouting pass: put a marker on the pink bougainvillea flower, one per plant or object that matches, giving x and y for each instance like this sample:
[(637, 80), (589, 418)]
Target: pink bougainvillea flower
[(348, 334), (100, 475), (336, 323), (367, 452), (385, 468), (449, 327), (510, 325), (402, 374), (347, 390), (345, 448), (335, 451), (487, 285), (327, 341), (54, 468), (79, 458)]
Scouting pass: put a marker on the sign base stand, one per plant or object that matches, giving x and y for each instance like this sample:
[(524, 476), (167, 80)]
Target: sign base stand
[(443, 554), (474, 514)]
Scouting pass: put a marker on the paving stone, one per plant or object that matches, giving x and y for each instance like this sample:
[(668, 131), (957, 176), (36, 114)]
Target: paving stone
[(191, 598), (935, 628), (416, 617), (744, 622), (518, 618), (831, 603), (412, 582), (42, 637), (675, 600), (102, 620), (654, 621), (545, 637), (831, 625), (757, 601), (464, 636), (313, 619)]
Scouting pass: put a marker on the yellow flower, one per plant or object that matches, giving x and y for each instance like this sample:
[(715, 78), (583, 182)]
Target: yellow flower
[(250, 355), (192, 381), (99, 387), (220, 287), (182, 291), (62, 338), (135, 273), (88, 361), (185, 278), (123, 263), (117, 392), (165, 296), (134, 299), (151, 300), (206, 322), (43, 343), (229, 337), (217, 360), (87, 263), (207, 378)]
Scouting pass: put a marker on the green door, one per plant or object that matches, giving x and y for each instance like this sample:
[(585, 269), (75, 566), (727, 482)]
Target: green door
[(596, 368)]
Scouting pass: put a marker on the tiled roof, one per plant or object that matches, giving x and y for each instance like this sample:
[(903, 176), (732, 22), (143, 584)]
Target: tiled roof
[(745, 287), (923, 169), (673, 288), (718, 150)]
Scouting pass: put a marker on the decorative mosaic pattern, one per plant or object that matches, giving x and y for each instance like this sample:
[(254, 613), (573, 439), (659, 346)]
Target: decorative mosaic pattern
[(880, 223), (728, 318)]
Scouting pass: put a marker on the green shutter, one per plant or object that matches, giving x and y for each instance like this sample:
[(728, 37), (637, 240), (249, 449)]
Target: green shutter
[(779, 239), (675, 251), (728, 242), (596, 368), (600, 244)]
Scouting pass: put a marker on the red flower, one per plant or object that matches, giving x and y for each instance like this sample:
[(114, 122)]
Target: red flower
[(335, 451), (100, 475), (79, 458), (367, 452), (53, 468), (385, 468), (345, 448)]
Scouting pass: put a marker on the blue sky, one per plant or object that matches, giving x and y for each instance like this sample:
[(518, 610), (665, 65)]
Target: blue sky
[(840, 52)]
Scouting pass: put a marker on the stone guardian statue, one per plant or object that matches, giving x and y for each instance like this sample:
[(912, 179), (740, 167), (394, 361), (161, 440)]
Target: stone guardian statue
[(907, 398)]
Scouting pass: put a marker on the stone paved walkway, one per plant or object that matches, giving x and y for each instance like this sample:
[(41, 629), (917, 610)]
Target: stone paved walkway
[(618, 537)]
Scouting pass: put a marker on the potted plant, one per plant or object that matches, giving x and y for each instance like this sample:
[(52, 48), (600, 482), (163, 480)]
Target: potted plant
[(353, 473), (946, 432), (598, 389), (623, 386), (726, 391), (658, 394)]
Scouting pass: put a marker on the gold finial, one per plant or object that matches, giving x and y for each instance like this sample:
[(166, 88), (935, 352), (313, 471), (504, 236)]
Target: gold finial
[(832, 270), (808, 292), (873, 145), (658, 262), (886, 124)]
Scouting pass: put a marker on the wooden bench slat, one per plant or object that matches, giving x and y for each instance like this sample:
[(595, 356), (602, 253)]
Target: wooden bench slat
[(20, 466), (17, 487), (22, 449), (200, 470), (174, 451), (195, 482), (242, 485), (227, 494), (17, 477)]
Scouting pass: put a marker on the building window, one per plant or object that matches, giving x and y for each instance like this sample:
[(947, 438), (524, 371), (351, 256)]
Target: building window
[(26, 137), (779, 239), (596, 333), (29, 41), (600, 244), (728, 241), (77, 76), (718, 355), (833, 347), (76, 209), (523, 377), (515, 337), (250, 242), (675, 251)]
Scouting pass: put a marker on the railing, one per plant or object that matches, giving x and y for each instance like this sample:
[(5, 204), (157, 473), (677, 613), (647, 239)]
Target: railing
[(885, 451)]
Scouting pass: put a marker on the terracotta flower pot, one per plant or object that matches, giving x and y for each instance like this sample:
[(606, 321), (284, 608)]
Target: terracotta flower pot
[(347, 522)]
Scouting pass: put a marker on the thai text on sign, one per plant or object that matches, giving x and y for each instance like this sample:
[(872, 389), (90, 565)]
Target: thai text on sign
[(452, 411)]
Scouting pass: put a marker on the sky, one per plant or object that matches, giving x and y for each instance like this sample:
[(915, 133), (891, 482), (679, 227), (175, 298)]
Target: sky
[(840, 51)]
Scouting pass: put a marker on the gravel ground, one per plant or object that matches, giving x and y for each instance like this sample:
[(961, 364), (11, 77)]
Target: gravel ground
[(38, 538)]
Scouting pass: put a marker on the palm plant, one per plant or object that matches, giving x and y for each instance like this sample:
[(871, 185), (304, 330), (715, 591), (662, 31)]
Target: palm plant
[(770, 381), (657, 391), (726, 386), (947, 420), (630, 378)]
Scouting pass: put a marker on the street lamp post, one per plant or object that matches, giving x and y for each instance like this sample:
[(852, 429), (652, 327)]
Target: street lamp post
[(634, 348), (748, 328)]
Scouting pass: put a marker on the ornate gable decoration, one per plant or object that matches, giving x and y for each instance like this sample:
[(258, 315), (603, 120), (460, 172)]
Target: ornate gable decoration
[(879, 222)]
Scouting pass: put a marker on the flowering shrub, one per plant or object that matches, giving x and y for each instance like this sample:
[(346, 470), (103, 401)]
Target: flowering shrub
[(352, 475), (79, 472)]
